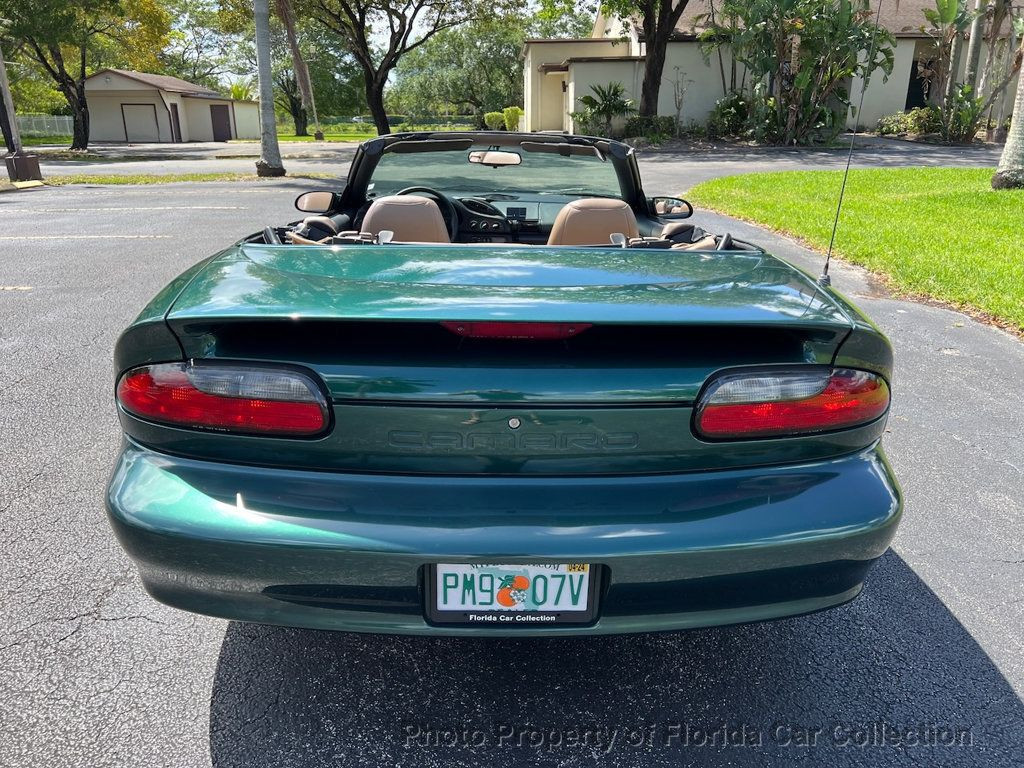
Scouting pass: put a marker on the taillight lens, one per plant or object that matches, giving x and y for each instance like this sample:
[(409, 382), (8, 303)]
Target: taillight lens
[(232, 398), (770, 404)]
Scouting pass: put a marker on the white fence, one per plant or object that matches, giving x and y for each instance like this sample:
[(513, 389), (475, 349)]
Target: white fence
[(45, 125)]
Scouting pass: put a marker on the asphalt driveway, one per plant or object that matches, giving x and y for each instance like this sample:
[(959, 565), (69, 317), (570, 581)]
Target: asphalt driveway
[(664, 172), (92, 672)]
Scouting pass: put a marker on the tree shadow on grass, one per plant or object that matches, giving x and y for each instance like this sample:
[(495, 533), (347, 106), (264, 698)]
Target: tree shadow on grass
[(827, 689)]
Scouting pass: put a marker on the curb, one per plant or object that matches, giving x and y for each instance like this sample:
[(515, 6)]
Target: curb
[(17, 186)]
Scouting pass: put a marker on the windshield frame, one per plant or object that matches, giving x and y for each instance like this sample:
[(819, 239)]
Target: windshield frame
[(369, 154)]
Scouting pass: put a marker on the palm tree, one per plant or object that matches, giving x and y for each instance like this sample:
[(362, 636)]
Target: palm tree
[(1010, 174), (286, 13), (608, 102), (269, 163)]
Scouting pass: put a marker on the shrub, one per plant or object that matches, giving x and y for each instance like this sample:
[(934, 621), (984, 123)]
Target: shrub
[(729, 116), (495, 121), (660, 125), (584, 122), (917, 121), (512, 115)]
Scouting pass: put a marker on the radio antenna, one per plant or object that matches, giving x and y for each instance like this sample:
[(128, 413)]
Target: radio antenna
[(824, 278)]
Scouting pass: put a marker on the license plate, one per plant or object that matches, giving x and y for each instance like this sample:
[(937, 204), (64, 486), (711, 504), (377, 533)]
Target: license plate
[(527, 595)]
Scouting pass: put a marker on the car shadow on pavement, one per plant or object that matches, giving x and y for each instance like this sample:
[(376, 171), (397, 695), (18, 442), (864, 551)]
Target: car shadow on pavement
[(892, 678)]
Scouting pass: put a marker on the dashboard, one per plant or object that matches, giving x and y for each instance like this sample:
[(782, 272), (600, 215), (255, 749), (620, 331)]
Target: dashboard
[(502, 220)]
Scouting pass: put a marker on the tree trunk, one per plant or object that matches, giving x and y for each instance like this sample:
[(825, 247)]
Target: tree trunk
[(80, 122), (1010, 174), (956, 46), (1011, 47), (8, 120), (269, 163), (287, 15), (974, 46), (301, 122), (74, 93), (375, 102), (654, 66)]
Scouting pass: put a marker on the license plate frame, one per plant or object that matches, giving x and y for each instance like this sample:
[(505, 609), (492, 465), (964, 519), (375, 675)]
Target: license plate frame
[(493, 619)]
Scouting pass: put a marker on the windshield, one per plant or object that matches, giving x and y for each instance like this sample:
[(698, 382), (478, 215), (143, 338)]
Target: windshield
[(452, 173)]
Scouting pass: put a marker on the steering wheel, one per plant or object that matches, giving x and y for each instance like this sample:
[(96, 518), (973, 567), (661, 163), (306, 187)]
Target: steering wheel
[(448, 211)]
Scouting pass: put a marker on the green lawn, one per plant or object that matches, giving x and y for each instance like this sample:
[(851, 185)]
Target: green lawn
[(35, 141), (936, 232)]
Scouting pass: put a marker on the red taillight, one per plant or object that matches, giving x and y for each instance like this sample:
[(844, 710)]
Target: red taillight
[(231, 398), (516, 330), (769, 404)]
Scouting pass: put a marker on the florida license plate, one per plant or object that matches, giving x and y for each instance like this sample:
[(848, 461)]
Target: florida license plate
[(512, 595)]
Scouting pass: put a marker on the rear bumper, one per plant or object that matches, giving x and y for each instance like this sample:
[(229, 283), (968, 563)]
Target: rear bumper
[(347, 551)]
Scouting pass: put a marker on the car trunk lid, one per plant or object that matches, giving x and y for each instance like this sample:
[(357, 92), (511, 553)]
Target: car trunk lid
[(379, 324)]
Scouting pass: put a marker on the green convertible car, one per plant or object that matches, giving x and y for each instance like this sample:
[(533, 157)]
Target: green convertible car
[(488, 386)]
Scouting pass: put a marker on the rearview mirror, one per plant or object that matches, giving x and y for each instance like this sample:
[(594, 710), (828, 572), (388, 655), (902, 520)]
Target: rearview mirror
[(494, 157), (672, 208), (315, 202)]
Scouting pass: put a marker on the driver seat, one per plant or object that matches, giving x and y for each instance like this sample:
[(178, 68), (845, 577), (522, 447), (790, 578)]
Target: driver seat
[(412, 218)]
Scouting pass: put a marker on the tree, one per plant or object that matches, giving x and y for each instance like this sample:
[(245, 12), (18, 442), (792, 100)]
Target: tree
[(1010, 173), (336, 77), (290, 99), (658, 20), (380, 32), (269, 163), (67, 40), (286, 13), (198, 47), (472, 69)]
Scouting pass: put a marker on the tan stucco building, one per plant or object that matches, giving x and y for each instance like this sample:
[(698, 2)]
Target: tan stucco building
[(138, 107), (557, 72)]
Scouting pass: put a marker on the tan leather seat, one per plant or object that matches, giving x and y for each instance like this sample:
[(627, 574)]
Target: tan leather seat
[(592, 221), (706, 243), (412, 218)]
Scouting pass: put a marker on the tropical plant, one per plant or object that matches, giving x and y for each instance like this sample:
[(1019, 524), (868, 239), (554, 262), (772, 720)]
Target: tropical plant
[(607, 103), (962, 104), (240, 89), (800, 55)]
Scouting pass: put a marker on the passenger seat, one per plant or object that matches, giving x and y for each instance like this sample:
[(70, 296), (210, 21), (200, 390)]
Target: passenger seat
[(592, 221)]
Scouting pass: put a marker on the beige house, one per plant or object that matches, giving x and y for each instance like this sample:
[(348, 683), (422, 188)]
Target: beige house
[(138, 107), (557, 72)]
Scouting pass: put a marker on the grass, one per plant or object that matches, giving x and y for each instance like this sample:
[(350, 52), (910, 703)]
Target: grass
[(172, 178), (353, 136), (35, 141), (941, 233)]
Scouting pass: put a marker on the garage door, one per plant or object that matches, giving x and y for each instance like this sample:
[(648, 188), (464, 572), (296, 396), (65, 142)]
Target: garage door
[(140, 122)]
